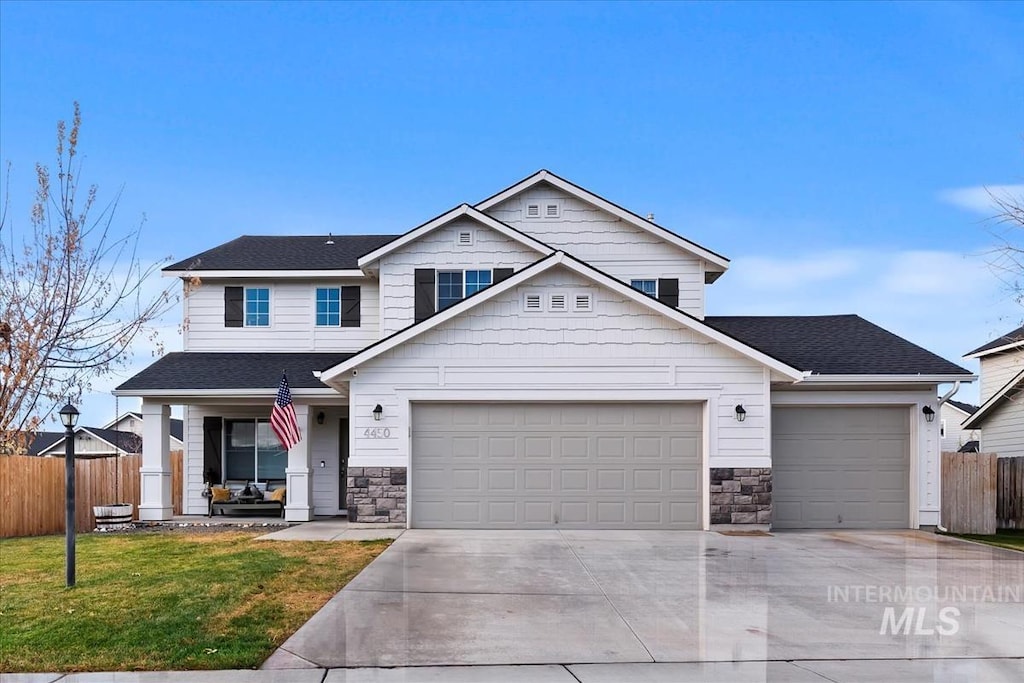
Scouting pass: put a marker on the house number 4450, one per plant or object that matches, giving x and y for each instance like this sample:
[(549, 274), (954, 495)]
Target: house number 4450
[(377, 433)]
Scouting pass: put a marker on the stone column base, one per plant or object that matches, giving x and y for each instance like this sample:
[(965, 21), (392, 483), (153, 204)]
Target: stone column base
[(741, 495), (376, 495)]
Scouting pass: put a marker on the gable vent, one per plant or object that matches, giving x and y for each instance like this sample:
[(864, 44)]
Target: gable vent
[(558, 302), (464, 238), (582, 302), (552, 211), (533, 210), (532, 302)]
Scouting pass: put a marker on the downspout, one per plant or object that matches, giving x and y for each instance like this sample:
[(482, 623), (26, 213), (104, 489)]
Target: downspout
[(949, 394)]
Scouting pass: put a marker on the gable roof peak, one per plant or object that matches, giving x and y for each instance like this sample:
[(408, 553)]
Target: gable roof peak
[(1011, 339)]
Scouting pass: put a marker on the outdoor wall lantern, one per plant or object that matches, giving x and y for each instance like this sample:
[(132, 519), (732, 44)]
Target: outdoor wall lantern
[(929, 414), (378, 412), (69, 417), (741, 413), (320, 417)]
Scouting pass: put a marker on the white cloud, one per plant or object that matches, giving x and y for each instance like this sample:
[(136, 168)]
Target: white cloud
[(979, 199), (775, 273)]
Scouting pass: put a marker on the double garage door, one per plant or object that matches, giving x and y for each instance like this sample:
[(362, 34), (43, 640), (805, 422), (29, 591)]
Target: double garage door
[(556, 465), (836, 468)]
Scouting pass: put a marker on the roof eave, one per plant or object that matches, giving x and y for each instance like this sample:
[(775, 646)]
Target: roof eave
[(261, 392), (252, 274), (977, 353), (887, 379), (975, 420)]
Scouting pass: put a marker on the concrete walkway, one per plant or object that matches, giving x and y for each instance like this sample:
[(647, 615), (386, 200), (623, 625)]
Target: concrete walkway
[(331, 530)]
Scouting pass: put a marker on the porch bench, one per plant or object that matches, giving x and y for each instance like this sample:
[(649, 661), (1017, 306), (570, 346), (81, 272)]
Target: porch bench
[(238, 504)]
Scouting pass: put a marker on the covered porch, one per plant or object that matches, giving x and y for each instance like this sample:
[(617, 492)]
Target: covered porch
[(226, 400)]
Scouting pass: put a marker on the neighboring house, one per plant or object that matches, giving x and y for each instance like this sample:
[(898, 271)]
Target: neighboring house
[(541, 359), (953, 436), (122, 436), (1001, 415)]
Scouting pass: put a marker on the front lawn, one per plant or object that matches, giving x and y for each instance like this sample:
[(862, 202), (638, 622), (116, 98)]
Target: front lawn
[(172, 600), (1005, 538)]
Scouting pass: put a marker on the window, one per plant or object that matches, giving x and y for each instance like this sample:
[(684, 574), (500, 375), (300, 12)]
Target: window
[(648, 287), (252, 451), (454, 286), (328, 306), (257, 307), (942, 430)]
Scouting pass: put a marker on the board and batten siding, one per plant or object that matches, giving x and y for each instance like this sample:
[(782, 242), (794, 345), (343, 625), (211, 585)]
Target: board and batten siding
[(606, 242), (1003, 430), (998, 369), (439, 249), (292, 318), (325, 441), (619, 351)]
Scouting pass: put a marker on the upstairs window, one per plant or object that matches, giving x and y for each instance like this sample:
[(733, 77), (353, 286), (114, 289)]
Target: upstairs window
[(648, 287), (257, 307), (328, 306), (455, 285)]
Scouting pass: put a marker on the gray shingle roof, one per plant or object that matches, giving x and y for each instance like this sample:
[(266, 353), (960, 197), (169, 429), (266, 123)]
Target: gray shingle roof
[(966, 407), (192, 370), (43, 440), (1008, 338), (834, 345), (266, 252)]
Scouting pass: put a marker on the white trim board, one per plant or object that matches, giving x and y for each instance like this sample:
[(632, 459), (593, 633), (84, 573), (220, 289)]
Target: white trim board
[(249, 274)]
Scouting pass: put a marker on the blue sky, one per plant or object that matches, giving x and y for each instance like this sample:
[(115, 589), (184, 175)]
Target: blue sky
[(836, 152)]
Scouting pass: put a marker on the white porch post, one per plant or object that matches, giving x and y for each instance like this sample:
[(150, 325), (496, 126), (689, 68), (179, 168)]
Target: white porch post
[(299, 475), (155, 473)]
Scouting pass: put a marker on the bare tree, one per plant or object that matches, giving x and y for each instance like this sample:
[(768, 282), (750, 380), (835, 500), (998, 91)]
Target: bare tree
[(1007, 259), (72, 300)]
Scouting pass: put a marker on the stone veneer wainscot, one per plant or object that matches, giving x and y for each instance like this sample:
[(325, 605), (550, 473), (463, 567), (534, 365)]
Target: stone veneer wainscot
[(376, 495), (741, 495)]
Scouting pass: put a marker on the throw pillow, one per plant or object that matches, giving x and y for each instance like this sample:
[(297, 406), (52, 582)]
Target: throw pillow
[(221, 495), (277, 494)]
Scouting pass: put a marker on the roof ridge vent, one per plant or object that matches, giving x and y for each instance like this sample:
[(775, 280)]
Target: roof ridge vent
[(330, 239)]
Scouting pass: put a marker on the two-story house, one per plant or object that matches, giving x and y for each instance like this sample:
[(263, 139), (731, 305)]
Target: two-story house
[(1001, 415), (540, 359)]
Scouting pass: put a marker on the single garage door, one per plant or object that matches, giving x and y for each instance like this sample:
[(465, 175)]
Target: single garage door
[(541, 466), (839, 468)]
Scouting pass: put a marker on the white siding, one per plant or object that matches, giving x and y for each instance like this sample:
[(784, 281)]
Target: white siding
[(955, 436), (292, 318), (607, 243), (998, 369), (490, 249), (619, 351), (1003, 430)]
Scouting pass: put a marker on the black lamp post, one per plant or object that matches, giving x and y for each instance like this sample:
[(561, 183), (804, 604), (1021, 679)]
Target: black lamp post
[(68, 417)]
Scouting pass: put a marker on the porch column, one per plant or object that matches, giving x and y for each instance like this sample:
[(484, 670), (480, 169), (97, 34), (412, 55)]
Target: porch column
[(299, 474), (155, 474)]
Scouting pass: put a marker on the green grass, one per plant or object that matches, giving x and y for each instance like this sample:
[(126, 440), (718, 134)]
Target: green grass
[(163, 601), (1007, 538)]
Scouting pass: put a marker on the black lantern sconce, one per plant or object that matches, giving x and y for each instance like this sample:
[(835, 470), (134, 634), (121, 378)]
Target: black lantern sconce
[(929, 414), (320, 417), (741, 413), (378, 412)]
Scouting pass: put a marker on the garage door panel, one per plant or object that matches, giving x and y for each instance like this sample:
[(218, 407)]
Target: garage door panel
[(840, 467), (604, 466)]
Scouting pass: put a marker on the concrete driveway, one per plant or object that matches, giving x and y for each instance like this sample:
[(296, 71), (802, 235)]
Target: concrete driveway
[(801, 600)]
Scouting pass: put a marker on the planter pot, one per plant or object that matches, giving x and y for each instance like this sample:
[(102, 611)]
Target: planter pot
[(117, 516)]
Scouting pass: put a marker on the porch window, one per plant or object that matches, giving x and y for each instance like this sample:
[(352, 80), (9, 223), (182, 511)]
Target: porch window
[(252, 452)]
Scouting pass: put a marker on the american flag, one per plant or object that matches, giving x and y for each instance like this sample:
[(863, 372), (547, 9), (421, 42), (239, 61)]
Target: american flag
[(282, 417)]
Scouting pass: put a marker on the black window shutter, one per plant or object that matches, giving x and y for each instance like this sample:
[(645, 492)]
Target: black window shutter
[(502, 274), (350, 306), (668, 291), (212, 427), (424, 307), (234, 311)]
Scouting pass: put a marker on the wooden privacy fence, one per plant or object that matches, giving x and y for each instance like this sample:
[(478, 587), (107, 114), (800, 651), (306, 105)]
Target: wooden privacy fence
[(1010, 493), (981, 493), (969, 493), (32, 491)]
